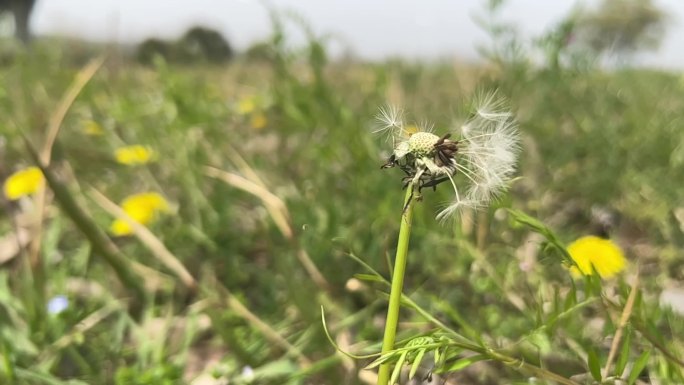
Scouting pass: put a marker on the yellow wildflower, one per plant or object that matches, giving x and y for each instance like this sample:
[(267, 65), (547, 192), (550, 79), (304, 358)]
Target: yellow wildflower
[(246, 106), (134, 155), (258, 121), (92, 128), (604, 255), (412, 129), (142, 208), (23, 182)]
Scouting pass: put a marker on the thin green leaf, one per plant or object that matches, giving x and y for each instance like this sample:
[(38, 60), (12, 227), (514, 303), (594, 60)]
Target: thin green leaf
[(397, 368), (32, 376), (624, 352), (638, 367), (275, 369), (529, 221), (539, 227), (594, 364), (382, 359), (369, 277), (571, 297), (416, 363), (461, 363), (367, 266), (438, 357)]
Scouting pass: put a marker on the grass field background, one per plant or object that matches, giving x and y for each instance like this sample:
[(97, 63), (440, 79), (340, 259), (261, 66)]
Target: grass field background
[(274, 186)]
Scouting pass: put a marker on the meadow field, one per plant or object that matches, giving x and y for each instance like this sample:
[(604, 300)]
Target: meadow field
[(264, 205)]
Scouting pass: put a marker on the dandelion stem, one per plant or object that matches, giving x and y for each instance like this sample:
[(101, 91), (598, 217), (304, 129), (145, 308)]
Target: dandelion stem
[(397, 284)]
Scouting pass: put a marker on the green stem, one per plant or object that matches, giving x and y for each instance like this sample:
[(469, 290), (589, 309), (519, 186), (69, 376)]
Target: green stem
[(397, 284)]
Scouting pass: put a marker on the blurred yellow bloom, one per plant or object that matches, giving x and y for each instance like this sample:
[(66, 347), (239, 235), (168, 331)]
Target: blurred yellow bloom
[(258, 121), (134, 155), (246, 106), (142, 208), (23, 182), (603, 254), (412, 129), (92, 128)]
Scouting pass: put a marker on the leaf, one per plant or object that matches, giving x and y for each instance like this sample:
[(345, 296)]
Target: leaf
[(594, 364), (33, 376), (593, 284), (539, 227), (638, 367), (416, 363), (397, 368), (529, 221), (275, 369), (386, 357), (624, 353), (462, 363), (571, 298), (369, 277), (541, 341), (438, 357)]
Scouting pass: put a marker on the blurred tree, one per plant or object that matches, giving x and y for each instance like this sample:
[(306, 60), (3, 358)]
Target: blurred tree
[(620, 26), (197, 45), (261, 51), (204, 43), (21, 9), (151, 48)]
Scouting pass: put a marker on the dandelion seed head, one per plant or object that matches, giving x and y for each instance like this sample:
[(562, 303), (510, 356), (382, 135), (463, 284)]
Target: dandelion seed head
[(478, 165), (422, 143)]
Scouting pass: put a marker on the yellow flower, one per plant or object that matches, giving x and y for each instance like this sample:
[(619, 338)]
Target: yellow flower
[(412, 129), (92, 128), (142, 208), (23, 182), (603, 254), (134, 155), (246, 106), (258, 121)]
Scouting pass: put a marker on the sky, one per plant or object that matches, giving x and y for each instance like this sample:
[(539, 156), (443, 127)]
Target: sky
[(372, 30)]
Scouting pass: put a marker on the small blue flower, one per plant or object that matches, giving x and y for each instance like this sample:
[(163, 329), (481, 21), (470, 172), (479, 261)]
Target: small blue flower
[(248, 373), (57, 304)]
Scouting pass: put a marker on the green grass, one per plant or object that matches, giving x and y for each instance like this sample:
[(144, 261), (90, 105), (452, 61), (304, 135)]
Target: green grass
[(590, 138)]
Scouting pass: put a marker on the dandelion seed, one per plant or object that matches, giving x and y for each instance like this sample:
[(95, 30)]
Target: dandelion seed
[(134, 155), (592, 252), (389, 121), (478, 165), (23, 182), (143, 208)]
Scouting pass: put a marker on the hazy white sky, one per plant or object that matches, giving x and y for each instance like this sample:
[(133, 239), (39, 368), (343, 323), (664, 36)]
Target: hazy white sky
[(371, 29)]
